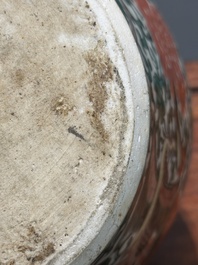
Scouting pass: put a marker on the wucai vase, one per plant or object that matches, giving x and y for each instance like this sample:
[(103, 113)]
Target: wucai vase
[(95, 131)]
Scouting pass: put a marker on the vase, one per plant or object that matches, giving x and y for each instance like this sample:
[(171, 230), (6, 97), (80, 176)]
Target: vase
[(95, 131)]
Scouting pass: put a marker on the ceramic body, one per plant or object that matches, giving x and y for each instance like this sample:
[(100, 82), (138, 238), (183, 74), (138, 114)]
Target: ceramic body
[(95, 131), (156, 202)]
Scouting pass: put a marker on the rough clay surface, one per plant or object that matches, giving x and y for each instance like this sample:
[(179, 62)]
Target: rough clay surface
[(62, 118)]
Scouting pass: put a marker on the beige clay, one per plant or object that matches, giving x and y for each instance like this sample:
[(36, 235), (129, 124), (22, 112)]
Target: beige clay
[(63, 120)]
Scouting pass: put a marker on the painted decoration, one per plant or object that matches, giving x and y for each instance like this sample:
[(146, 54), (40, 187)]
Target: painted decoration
[(166, 166)]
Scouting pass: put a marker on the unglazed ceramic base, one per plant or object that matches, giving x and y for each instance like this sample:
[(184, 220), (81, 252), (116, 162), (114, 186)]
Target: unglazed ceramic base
[(74, 124)]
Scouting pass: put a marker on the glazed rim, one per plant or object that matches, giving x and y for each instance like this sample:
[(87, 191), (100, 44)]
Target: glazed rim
[(114, 26), (49, 132)]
